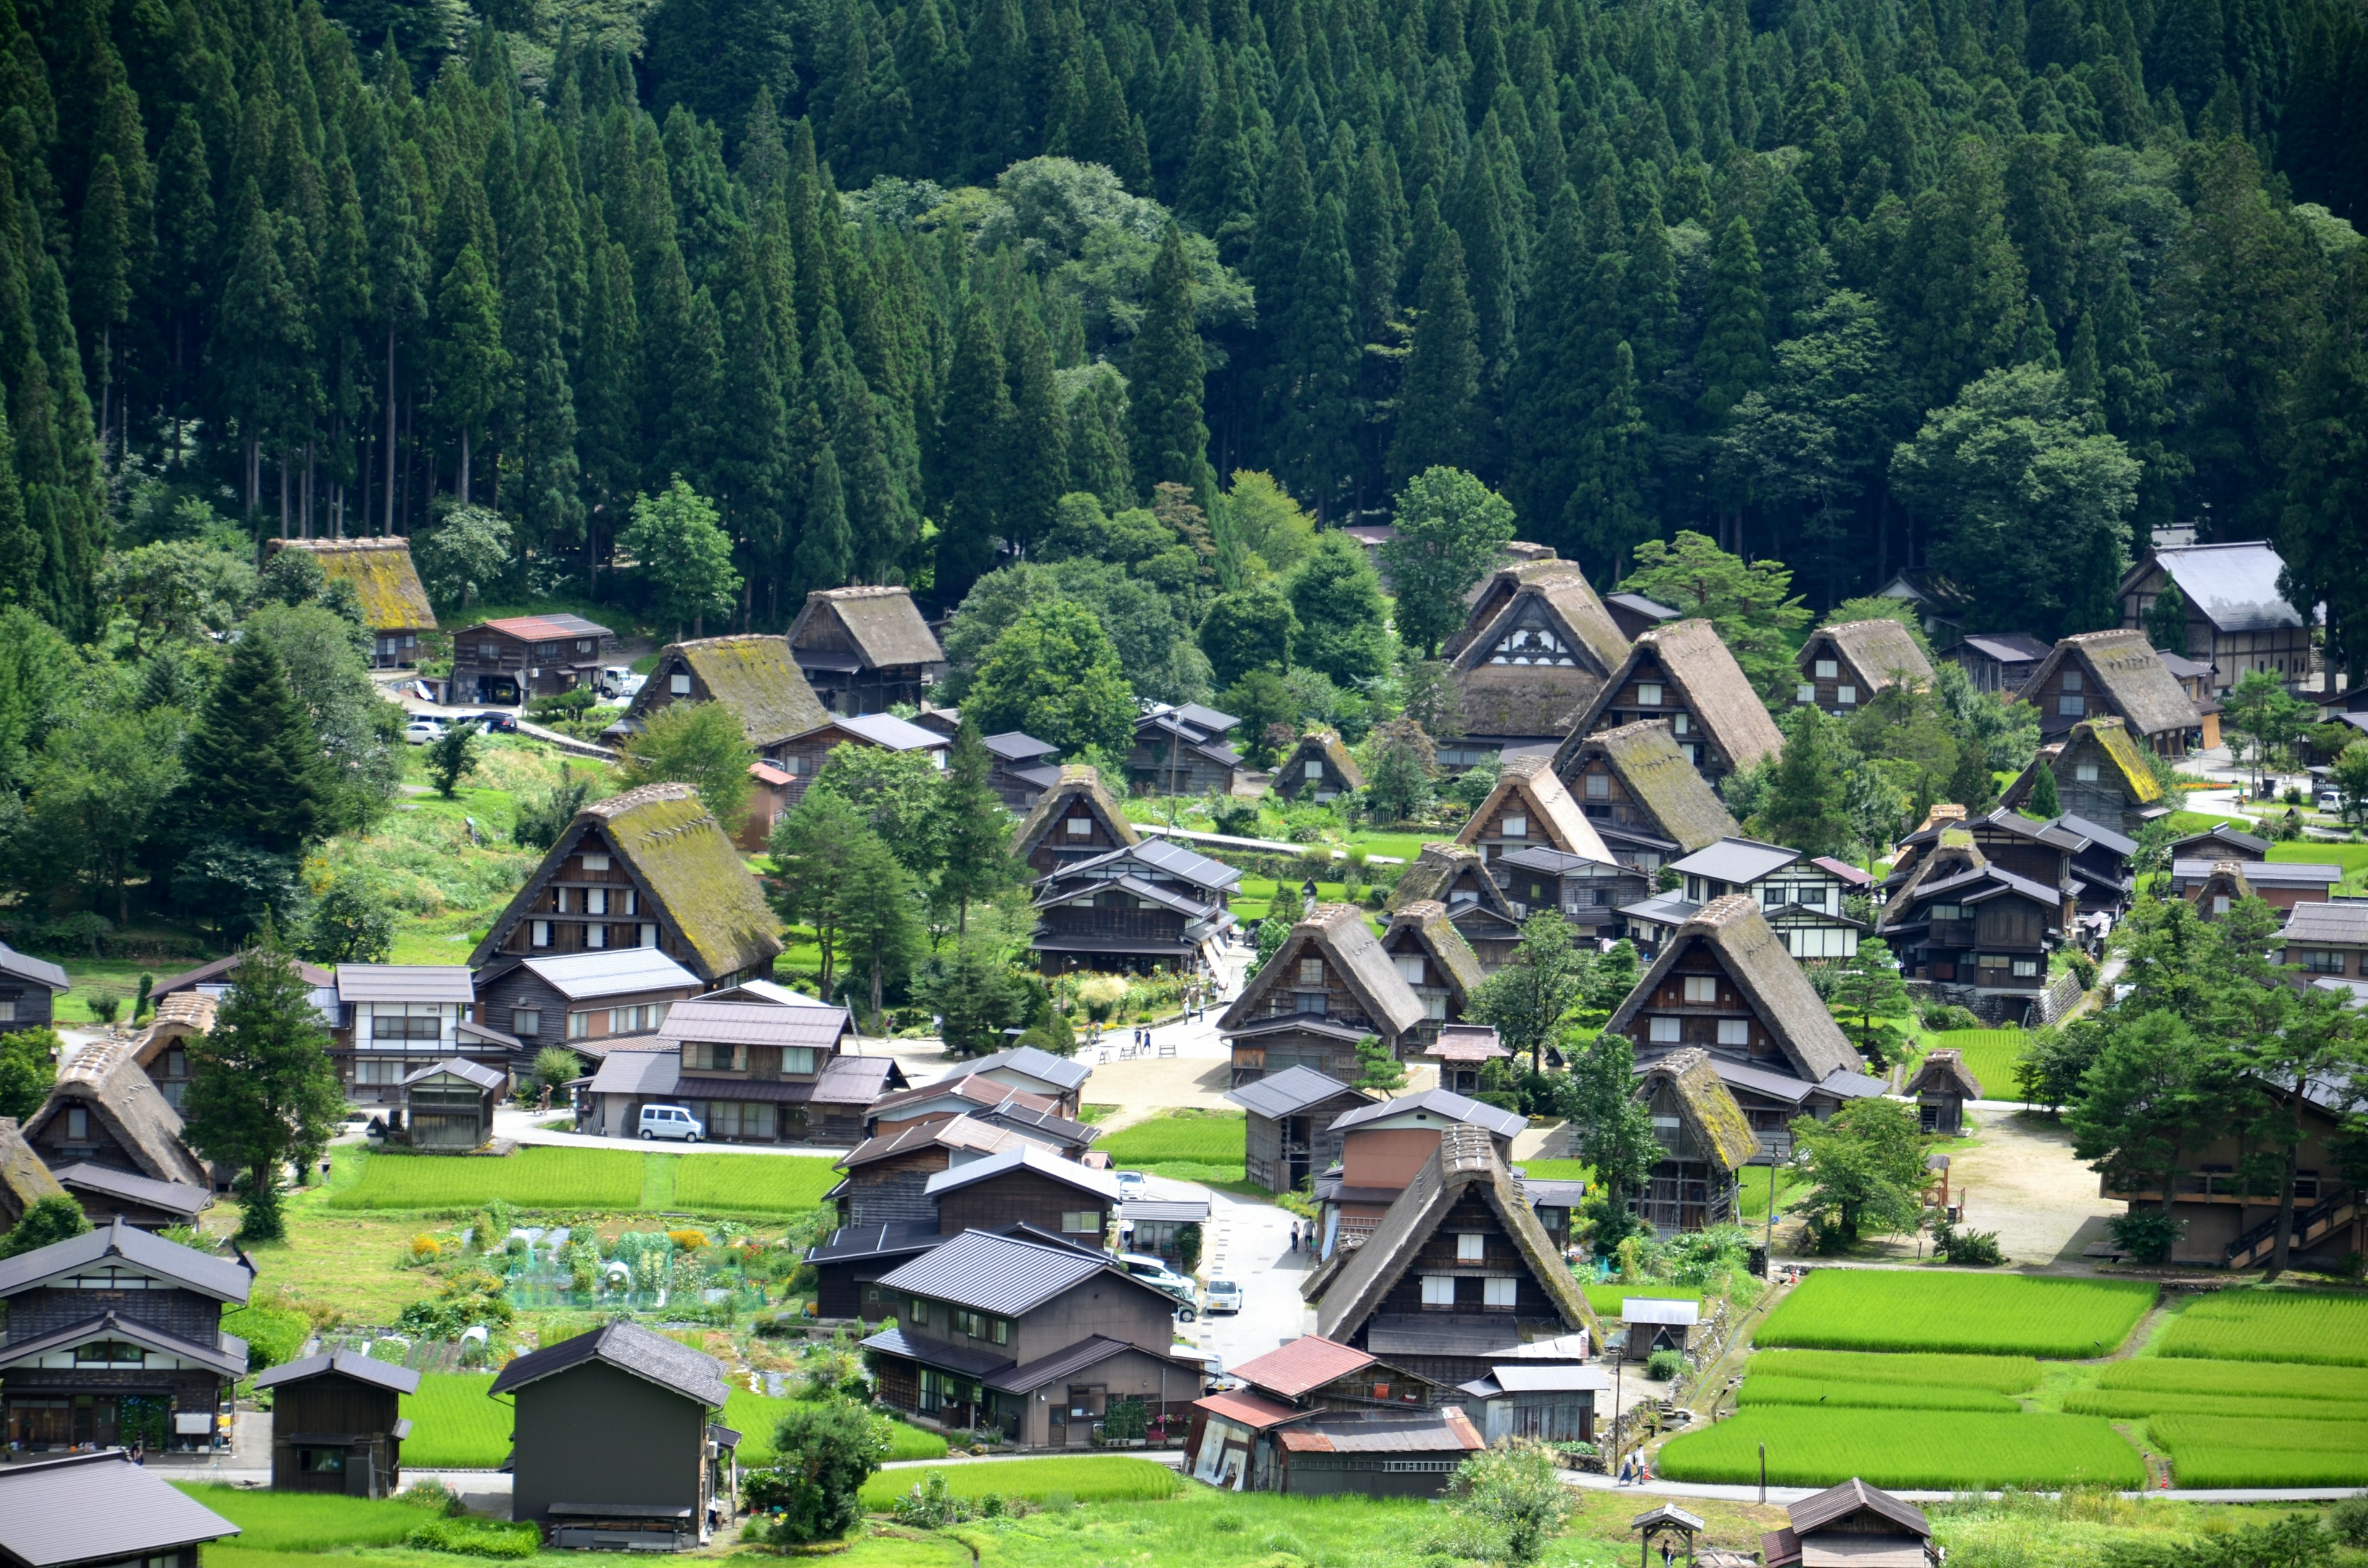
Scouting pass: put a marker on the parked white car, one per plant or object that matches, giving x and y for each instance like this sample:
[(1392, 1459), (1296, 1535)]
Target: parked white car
[(1225, 1296), (1133, 1184), (671, 1122), (423, 731), (1161, 1278)]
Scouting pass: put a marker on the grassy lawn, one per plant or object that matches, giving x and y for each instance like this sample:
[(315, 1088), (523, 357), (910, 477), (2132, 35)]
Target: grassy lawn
[(561, 1179), (305, 1522), (120, 976), (1199, 1136), (2353, 857), (1096, 1479)]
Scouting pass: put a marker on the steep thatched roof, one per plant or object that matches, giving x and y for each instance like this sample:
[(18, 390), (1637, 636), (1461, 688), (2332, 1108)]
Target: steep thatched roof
[(23, 1180), (393, 597), (184, 1015), (1763, 970), (1437, 871), (1944, 1073), (104, 1079), (1325, 745), (1466, 1159), (695, 879), (754, 677), (2129, 673), (1561, 588), (881, 625), (1425, 920), (1876, 650), (1705, 1104), (1534, 650), (1530, 779), (1078, 781), (2106, 742), (1645, 759), (1692, 659), (1337, 933)]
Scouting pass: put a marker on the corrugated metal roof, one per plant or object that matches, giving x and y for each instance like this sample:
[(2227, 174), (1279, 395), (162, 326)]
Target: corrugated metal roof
[(1447, 1429), (217, 1276), (638, 1072), (1290, 1091), (895, 734), (1515, 1376), (1255, 1410), (1028, 1060), (1307, 1363), (851, 1242), (92, 1507), (1165, 1211), (28, 968), (1025, 1155), (748, 1023), (1063, 1363), (180, 1196), (405, 983), (630, 1347), (1444, 1104), (2235, 585), (618, 972), (998, 1274), (476, 1073)]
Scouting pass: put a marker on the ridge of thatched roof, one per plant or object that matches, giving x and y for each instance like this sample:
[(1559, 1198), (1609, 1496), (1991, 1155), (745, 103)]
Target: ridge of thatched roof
[(385, 582), (2113, 737), (1705, 1101), (182, 1015), (882, 623), (1531, 779), (1079, 780), (1426, 919), (1523, 695), (1338, 933), (1435, 872), (1764, 969), (2131, 675), (754, 677), (1326, 745), (696, 879), (1466, 1158), (1878, 650), (1692, 659), (23, 1180), (1944, 1072), (1645, 757), (2226, 877), (104, 1079)]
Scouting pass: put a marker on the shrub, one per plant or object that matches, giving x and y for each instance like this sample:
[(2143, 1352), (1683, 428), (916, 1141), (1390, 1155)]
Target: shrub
[(274, 1336), (1663, 1365), (1942, 1016), (827, 1452), (1977, 1248), (1515, 1494), (478, 1538), (688, 1240), (929, 1506), (2147, 1235), (2349, 1520)]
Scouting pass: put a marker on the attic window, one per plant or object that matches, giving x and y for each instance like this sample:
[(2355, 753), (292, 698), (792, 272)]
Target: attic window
[(1804, 692), (1649, 693), (1827, 669), (1410, 968), (1734, 1032), (1080, 827), (1310, 971), (1514, 826), (1702, 988), (595, 862), (1846, 696), (1662, 1031), (1314, 768), (2072, 681), (1683, 724), (679, 682), (2071, 707), (2084, 773), (1470, 1246), (1598, 786)]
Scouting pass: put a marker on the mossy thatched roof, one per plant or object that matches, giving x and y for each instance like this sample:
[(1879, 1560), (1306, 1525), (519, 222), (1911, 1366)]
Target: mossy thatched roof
[(393, 597), (1326, 745), (754, 677), (23, 1180), (1705, 1100), (1078, 780)]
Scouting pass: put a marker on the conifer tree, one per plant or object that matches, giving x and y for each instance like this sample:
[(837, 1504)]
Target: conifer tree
[(253, 770), (468, 360), (1037, 448), (824, 549), (973, 829), (1439, 410), (1803, 808), (972, 423), (1733, 356), (1166, 441)]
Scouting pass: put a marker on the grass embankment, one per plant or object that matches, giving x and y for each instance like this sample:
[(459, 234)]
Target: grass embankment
[(552, 1179)]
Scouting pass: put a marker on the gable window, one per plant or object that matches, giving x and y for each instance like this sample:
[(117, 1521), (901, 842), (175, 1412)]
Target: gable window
[(1499, 1292), (1649, 693), (1598, 786), (1827, 669), (1514, 826), (679, 682), (1080, 827), (1804, 692), (1846, 696), (1310, 971), (1409, 966), (1734, 1032), (1439, 1289), (596, 935), (541, 936), (2070, 707), (77, 1123), (2220, 903), (1662, 1031), (1702, 988), (1314, 768), (1081, 1222), (595, 862), (525, 1021), (2072, 681), (595, 901), (176, 1061), (1470, 1246), (2084, 772), (1683, 724)]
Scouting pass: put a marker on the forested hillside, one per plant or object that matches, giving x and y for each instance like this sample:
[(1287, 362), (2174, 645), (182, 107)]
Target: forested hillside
[(1847, 284)]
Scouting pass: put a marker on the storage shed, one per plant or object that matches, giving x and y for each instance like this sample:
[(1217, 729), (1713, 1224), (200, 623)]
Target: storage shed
[(451, 1105), (1941, 1088), (1852, 1524), (336, 1424), (1375, 1454), (1542, 1403), (1659, 1322)]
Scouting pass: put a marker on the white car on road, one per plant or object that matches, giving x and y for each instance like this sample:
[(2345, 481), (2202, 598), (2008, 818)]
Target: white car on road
[(1225, 1296), (423, 731)]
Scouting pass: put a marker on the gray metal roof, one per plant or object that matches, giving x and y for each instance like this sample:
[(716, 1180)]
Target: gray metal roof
[(1289, 1092), (179, 1196), (2234, 586), (405, 983), (220, 1277), (1172, 858), (1028, 1062), (1555, 862), (1515, 1378), (2326, 922), (852, 1241), (746, 1023), (895, 734), (1641, 606), (1025, 1155), (1017, 745), (2008, 647), (2223, 833), (1065, 1363), (629, 1347), (1741, 861), (40, 971), (999, 1274), (638, 1072), (1668, 909), (2265, 873), (96, 1509), (1659, 1310), (2098, 833), (614, 972), (1165, 1211), (476, 1073), (1445, 1104), (936, 1352), (345, 1364)]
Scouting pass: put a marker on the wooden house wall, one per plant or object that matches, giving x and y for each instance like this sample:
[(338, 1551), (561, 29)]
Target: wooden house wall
[(1284, 1049), (99, 1144), (1365, 1475), (332, 1406), (1118, 916), (1615, 808), (559, 899), (1058, 847), (1628, 706), (1500, 1258), (598, 1434), (1017, 1195), (24, 1004), (1293, 781), (184, 1315), (499, 1001), (893, 1192), (1698, 1022), (1189, 772)]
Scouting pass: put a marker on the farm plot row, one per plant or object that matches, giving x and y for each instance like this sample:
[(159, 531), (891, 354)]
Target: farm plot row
[(570, 1179), (1905, 1448), (1979, 1315), (2256, 1388)]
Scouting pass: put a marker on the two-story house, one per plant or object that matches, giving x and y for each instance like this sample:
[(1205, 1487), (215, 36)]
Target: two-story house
[(1979, 932), (1451, 875), (1532, 653), (1530, 809), (395, 1020), (1431, 956), (1318, 768), (1999, 661), (395, 605), (2238, 620), (1801, 896), (1060, 1079), (866, 649), (2062, 854), (650, 868), (585, 1002), (508, 660), (1032, 1338), (1319, 1419), (886, 1215), (2099, 675), (29, 988), (1292, 1134), (114, 1338), (1032, 1117), (1182, 750), (1329, 986), (1382, 1147), (1647, 802), (1458, 1272), (1683, 674), (752, 676), (1843, 667), (1725, 983), (2328, 942), (2101, 776), (104, 1110), (1590, 894), (751, 1073), (1705, 1141), (1023, 767), (800, 755), (1143, 907), (1073, 820)]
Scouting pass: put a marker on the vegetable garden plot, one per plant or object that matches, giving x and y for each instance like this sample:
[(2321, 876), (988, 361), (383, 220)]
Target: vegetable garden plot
[(2000, 1313), (2239, 1379), (1085, 1480), (541, 1179), (2272, 1325), (1999, 1374), (1836, 1395), (1907, 1449)]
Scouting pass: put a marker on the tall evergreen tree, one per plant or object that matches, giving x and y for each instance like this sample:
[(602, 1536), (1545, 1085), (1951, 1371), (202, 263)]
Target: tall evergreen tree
[(1438, 411), (1733, 356), (973, 422), (1036, 450), (254, 769), (1166, 441)]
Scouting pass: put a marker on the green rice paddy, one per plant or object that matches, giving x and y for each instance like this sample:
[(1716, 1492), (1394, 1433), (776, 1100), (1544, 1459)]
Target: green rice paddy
[(2132, 1404), (2242, 1380), (1872, 1395), (1997, 1374), (1905, 1448), (1195, 1137), (2262, 1325), (455, 1425), (550, 1179), (305, 1521), (1083, 1480), (1990, 1056), (1837, 1309)]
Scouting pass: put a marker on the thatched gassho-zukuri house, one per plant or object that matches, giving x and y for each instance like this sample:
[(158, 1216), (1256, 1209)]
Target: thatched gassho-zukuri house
[(1533, 652), (1647, 802), (1843, 667), (1075, 820), (1529, 808), (23, 1180), (1329, 986), (2101, 776), (1942, 1086), (394, 600), (646, 869), (754, 677), (1318, 768), (1706, 1140), (103, 1109), (1681, 671), (1432, 956), (865, 648), (163, 1050), (2098, 674), (1458, 878)]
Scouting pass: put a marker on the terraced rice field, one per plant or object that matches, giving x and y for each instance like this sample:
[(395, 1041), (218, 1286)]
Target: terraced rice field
[(1839, 1395), (1197, 1137), (2132, 1404), (2217, 1451), (1837, 1309), (454, 1423), (2243, 1379), (1998, 1374), (747, 1184), (1113, 1480), (1905, 1448), (2264, 1325), (541, 1178)]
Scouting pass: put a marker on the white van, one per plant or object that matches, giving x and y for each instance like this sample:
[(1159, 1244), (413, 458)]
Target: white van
[(671, 1122)]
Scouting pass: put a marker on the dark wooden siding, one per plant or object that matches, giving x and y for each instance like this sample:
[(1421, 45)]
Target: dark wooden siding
[(594, 1434), (1015, 1195)]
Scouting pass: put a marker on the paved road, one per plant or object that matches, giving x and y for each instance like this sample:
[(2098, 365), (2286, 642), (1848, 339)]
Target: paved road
[(1786, 1496), (1249, 1244), (518, 1127)]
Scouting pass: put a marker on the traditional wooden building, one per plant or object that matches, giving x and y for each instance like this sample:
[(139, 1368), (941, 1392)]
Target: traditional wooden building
[(107, 1193), (1061, 1079), (1076, 820), (1635, 615), (104, 1110), (1458, 1272), (216, 977), (647, 868), (1028, 1183), (1532, 653), (516, 657), (1530, 809), (586, 1002), (1438, 965), (386, 584), (1032, 1117), (1318, 768), (1590, 895), (1458, 878), (1725, 983), (750, 1074), (1290, 1134), (1464, 1052), (1851, 1523), (114, 1338), (1649, 804), (100, 1510), (2327, 941), (163, 1048), (338, 1424), (29, 988), (449, 1105), (1035, 1338), (2101, 777), (1335, 1399), (886, 1178), (1843, 667), (2216, 886), (2200, 682), (1329, 986), (1144, 907), (1683, 674), (1800, 898), (1942, 1086), (23, 1180), (1999, 661), (1023, 769), (616, 1443), (1182, 750), (1705, 1141), (2239, 619), (2116, 675), (394, 1020), (1537, 1403), (866, 649), (1383, 1148), (1979, 932), (801, 757), (752, 676), (2221, 841)]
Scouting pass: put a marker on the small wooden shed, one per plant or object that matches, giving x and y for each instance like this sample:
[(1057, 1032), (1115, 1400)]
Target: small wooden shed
[(1942, 1086), (336, 1424), (1657, 1322), (449, 1105), (1319, 768), (1853, 1523), (1542, 1403)]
